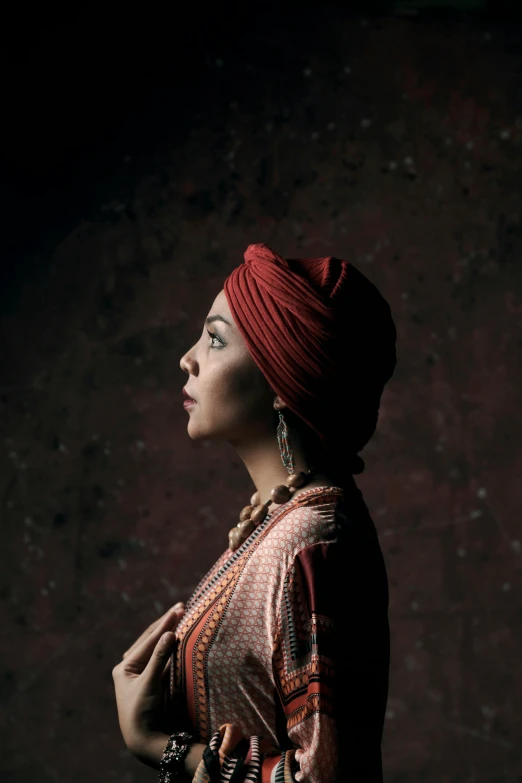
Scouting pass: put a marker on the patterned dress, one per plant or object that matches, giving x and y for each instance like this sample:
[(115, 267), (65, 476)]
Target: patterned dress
[(281, 666)]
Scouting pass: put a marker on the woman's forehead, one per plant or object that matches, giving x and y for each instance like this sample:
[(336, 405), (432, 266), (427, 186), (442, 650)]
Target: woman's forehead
[(220, 307), (220, 302)]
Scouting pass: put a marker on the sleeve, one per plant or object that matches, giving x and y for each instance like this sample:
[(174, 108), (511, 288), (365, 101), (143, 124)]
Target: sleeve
[(331, 655), (305, 666)]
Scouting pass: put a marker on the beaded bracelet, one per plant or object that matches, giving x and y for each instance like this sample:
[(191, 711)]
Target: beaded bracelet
[(171, 767)]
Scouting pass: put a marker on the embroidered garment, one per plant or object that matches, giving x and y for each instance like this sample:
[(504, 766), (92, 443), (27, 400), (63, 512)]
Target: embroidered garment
[(282, 660)]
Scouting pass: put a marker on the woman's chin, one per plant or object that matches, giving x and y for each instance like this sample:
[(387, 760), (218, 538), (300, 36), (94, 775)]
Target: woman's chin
[(196, 431)]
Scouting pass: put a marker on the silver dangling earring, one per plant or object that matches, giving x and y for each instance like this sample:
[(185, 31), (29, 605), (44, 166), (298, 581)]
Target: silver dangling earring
[(252, 515), (286, 453), (285, 448)]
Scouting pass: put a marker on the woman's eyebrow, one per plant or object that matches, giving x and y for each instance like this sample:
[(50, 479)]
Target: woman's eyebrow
[(212, 318)]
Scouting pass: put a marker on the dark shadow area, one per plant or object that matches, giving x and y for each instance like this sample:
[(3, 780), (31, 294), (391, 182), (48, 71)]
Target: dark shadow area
[(89, 102)]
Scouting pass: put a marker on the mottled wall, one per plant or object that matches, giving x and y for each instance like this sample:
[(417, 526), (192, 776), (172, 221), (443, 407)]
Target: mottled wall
[(393, 143)]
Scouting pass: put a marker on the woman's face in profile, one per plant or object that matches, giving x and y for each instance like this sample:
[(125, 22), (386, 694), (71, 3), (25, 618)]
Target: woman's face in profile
[(233, 400)]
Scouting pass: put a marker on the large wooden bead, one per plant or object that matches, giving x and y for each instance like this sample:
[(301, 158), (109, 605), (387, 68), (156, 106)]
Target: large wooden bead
[(296, 479), (281, 494), (259, 513), (246, 527), (255, 500), (235, 539), (245, 514)]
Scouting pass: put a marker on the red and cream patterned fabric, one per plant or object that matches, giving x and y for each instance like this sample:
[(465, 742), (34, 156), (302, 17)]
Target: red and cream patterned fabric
[(282, 658)]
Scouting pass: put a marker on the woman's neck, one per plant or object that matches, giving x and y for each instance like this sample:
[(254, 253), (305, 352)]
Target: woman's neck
[(263, 462)]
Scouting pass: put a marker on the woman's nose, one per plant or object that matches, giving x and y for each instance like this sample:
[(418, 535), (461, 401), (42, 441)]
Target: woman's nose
[(187, 362)]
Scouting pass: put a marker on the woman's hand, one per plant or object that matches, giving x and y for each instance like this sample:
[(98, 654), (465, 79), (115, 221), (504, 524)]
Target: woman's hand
[(140, 681)]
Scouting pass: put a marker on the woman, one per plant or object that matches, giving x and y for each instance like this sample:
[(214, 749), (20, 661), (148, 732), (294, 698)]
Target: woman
[(281, 657)]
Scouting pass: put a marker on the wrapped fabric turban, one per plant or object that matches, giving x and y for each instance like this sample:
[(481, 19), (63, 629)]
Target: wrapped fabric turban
[(323, 337)]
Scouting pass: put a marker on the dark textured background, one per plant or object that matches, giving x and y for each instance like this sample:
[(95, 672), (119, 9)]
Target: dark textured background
[(140, 158)]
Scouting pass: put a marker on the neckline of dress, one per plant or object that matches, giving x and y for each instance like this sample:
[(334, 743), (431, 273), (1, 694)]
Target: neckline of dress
[(228, 560)]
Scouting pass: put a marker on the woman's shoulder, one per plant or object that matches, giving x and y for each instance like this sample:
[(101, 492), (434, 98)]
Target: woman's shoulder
[(313, 515)]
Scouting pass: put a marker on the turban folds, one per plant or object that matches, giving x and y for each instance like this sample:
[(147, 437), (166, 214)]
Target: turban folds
[(323, 337)]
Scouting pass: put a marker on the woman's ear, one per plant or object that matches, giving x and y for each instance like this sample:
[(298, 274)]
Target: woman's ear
[(279, 404)]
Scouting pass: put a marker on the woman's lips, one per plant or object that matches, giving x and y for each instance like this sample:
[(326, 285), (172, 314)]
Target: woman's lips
[(188, 401)]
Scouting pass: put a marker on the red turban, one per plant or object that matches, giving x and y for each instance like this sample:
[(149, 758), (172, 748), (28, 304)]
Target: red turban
[(323, 337)]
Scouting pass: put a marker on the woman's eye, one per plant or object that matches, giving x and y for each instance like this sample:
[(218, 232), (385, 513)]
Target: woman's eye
[(214, 337)]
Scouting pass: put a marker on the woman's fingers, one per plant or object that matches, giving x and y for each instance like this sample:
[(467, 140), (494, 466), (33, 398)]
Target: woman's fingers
[(153, 626), (141, 653), (166, 670)]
